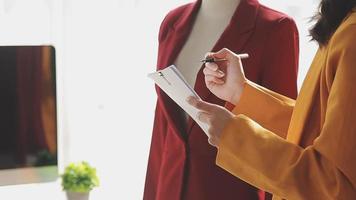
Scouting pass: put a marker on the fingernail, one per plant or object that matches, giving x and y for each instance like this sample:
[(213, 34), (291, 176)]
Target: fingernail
[(198, 115), (212, 66)]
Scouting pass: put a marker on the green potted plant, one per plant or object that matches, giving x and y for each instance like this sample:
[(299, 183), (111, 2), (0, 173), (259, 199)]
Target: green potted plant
[(78, 180)]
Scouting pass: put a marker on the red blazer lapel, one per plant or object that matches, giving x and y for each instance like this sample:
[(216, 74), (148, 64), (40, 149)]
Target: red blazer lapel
[(173, 41), (169, 48)]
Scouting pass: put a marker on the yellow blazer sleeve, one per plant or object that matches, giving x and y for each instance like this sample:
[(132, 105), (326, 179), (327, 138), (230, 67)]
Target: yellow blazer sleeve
[(271, 110), (324, 170)]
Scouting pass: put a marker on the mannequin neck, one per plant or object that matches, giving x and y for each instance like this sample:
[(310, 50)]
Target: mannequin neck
[(218, 8)]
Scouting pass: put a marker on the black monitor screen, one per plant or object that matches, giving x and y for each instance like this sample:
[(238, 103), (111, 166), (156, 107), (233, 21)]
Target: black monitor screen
[(28, 122)]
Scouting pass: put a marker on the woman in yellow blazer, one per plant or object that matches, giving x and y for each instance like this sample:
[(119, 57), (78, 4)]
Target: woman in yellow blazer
[(303, 149)]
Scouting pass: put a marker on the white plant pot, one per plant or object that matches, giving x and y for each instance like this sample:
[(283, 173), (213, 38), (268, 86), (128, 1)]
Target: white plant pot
[(77, 196)]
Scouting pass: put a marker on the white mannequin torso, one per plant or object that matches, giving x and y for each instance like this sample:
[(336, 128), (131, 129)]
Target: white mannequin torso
[(211, 21)]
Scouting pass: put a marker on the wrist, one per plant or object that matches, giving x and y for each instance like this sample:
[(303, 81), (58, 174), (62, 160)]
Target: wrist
[(228, 120), (237, 95)]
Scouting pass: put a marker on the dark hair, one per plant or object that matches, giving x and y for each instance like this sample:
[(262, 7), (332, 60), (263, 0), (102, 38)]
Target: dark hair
[(331, 14)]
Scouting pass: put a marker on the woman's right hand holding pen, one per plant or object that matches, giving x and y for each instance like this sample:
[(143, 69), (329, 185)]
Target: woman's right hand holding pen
[(225, 79)]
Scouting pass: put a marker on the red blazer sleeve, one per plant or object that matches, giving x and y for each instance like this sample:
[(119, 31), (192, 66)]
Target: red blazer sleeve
[(281, 56), (158, 135), (155, 156), (280, 60)]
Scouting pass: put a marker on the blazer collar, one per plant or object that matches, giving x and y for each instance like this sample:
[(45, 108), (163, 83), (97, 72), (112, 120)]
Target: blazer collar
[(186, 21), (243, 21), (243, 18)]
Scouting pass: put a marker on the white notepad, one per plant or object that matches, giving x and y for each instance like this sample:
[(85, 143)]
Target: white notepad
[(172, 82)]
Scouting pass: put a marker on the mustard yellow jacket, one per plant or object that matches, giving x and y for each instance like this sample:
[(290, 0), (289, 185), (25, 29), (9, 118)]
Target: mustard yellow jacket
[(303, 149)]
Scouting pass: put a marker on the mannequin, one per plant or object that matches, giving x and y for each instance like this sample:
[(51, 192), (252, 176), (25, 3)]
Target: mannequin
[(181, 164), (212, 19)]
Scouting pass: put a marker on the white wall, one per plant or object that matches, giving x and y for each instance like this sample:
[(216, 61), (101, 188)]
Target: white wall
[(106, 48), (110, 47), (34, 22)]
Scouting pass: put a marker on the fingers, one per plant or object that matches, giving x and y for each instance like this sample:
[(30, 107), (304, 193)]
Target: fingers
[(212, 76), (217, 73), (214, 116), (201, 105), (222, 54), (225, 53), (204, 117), (209, 55), (212, 66), (213, 80)]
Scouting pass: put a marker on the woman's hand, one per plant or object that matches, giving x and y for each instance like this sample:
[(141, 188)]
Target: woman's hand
[(214, 115), (225, 79)]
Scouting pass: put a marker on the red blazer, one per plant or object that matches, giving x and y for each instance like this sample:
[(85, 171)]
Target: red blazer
[(181, 163)]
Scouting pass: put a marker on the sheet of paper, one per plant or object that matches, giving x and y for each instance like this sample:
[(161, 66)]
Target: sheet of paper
[(172, 82)]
